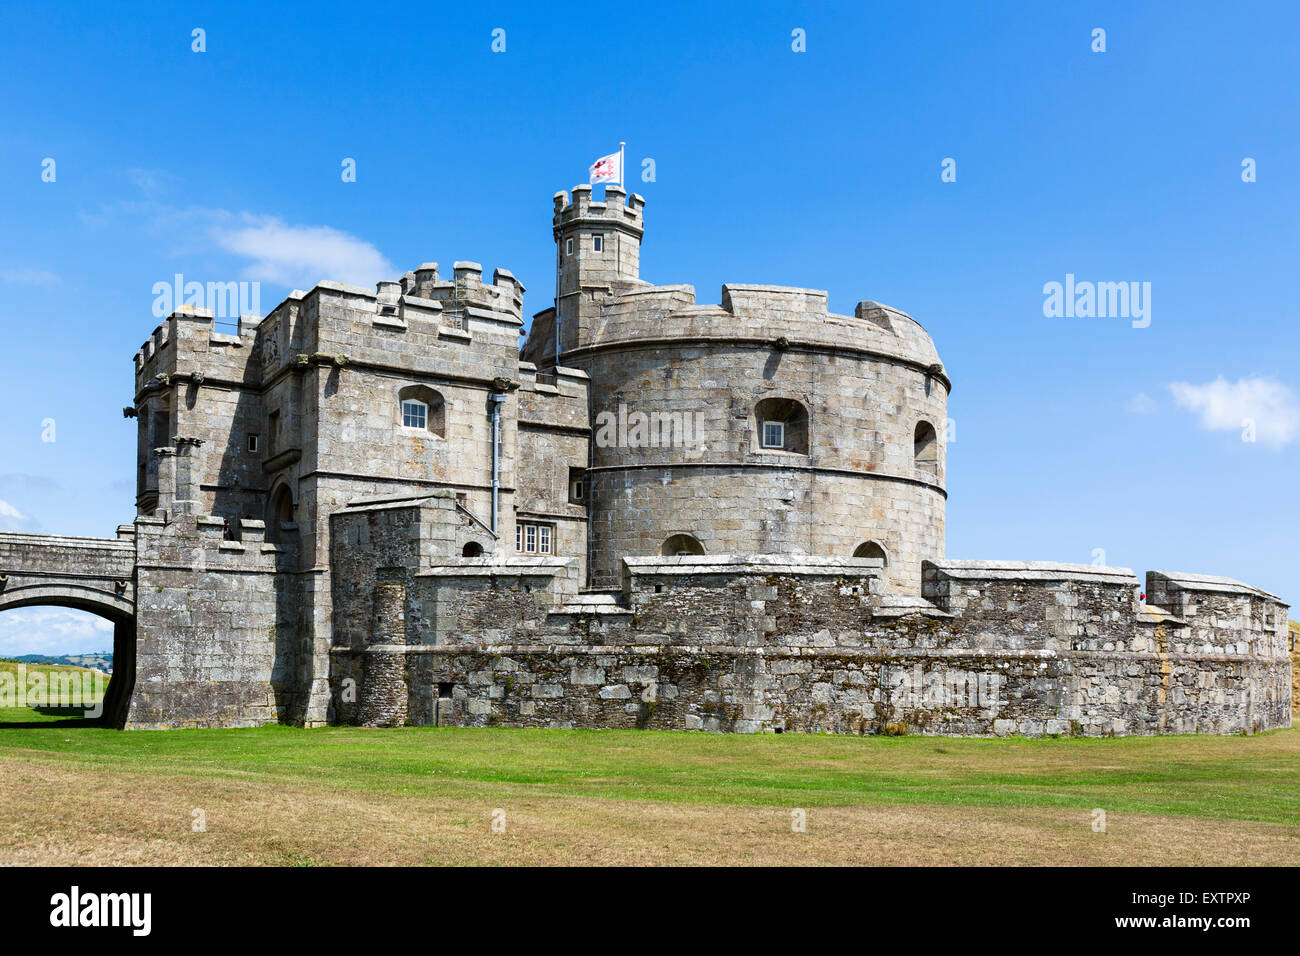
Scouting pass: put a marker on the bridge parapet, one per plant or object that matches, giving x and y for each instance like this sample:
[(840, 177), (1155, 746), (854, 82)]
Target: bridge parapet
[(92, 574)]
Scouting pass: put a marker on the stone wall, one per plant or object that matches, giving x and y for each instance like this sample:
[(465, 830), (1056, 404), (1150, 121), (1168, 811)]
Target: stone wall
[(218, 641), (760, 642)]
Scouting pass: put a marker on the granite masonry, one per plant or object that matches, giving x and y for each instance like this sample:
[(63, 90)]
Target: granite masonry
[(379, 508)]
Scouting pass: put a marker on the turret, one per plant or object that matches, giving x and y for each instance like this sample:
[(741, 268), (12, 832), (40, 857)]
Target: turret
[(597, 254)]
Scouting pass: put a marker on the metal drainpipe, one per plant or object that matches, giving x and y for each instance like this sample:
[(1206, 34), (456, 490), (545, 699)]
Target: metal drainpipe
[(496, 398)]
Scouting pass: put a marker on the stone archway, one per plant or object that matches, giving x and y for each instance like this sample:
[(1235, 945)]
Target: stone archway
[(87, 574)]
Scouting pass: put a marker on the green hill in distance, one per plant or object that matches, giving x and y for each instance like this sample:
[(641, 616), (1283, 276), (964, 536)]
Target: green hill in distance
[(98, 661)]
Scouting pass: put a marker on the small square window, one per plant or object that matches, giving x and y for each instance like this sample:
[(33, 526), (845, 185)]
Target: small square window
[(253, 443), (598, 242), (773, 434), (445, 688), (414, 414)]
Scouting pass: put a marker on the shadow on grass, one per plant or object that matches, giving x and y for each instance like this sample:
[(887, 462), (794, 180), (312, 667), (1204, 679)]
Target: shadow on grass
[(63, 718)]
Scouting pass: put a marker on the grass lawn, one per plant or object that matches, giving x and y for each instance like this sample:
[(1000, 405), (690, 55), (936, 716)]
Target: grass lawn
[(74, 793), (62, 707)]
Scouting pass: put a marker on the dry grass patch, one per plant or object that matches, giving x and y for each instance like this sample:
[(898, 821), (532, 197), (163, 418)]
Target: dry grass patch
[(51, 814)]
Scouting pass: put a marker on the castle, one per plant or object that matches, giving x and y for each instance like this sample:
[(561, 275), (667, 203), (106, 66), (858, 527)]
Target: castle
[(379, 508)]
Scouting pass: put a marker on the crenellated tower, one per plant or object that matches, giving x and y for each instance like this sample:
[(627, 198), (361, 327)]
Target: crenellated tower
[(597, 256)]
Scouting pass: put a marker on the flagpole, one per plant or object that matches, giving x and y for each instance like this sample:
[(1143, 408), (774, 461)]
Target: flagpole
[(620, 165)]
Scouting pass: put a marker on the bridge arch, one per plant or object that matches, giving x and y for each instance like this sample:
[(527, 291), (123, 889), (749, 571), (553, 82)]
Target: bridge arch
[(86, 574), (114, 606)]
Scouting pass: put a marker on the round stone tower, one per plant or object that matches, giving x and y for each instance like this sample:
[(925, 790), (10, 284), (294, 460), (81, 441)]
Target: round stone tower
[(762, 425)]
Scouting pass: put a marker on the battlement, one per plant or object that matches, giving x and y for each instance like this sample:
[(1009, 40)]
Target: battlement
[(504, 293), (620, 209), (177, 342), (175, 540), (766, 300)]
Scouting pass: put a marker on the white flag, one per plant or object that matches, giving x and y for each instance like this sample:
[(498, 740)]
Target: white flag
[(608, 169)]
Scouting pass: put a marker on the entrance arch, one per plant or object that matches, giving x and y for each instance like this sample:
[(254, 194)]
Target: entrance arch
[(86, 574)]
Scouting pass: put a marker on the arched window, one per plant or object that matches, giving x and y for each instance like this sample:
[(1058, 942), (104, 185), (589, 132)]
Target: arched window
[(422, 409), (680, 544), (870, 549), (925, 450), (279, 512), (472, 550), (780, 424)]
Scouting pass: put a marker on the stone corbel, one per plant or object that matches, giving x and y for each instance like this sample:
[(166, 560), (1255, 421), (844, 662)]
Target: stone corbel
[(129, 412), (325, 358)]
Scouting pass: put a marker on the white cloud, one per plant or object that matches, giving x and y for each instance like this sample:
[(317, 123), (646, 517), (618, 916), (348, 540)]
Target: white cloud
[(275, 251), (28, 277), (1142, 404), (1231, 406), (53, 630), (11, 519), (301, 256), (151, 182)]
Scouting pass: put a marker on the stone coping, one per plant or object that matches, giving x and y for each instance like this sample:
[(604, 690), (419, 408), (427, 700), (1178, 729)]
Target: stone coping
[(563, 371), (393, 501), (595, 610), (498, 567), (67, 541), (1209, 582), (1150, 614), (901, 605), (1028, 571), (752, 563)]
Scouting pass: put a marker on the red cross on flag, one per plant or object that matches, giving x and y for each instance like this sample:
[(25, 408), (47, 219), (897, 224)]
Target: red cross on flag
[(608, 169)]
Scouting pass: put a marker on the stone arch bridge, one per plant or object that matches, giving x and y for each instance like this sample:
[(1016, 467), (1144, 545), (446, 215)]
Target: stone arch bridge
[(89, 574)]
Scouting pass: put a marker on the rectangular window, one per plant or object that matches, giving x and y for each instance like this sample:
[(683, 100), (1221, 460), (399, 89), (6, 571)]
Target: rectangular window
[(568, 247), (773, 434), (534, 538), (414, 414), (577, 491), (252, 444), (598, 242)]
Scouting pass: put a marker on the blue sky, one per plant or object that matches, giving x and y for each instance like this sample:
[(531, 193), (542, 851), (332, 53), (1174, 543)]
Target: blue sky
[(818, 168)]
